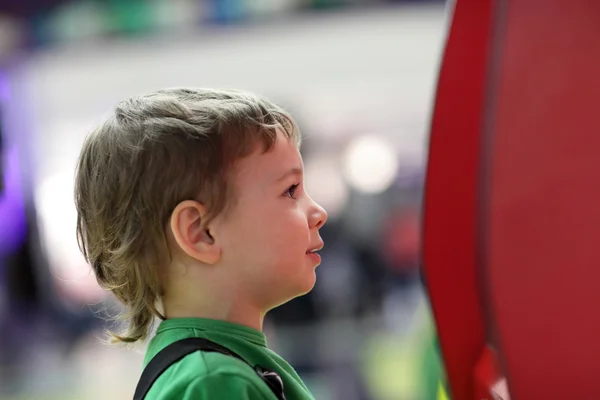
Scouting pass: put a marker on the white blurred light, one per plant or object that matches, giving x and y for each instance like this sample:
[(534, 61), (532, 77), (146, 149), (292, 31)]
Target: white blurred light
[(370, 164), (325, 184), (58, 219)]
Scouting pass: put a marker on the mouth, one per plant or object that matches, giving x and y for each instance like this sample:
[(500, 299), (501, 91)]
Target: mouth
[(314, 257), (314, 250), (313, 254)]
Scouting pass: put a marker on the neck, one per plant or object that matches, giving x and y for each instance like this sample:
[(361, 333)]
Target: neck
[(212, 305)]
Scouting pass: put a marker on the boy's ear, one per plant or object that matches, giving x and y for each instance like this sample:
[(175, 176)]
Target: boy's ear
[(191, 235)]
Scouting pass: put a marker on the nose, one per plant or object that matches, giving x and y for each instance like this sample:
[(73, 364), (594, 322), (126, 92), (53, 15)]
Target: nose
[(317, 216)]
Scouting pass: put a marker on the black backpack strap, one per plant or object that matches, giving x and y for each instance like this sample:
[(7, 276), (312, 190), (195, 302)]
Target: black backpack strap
[(181, 348)]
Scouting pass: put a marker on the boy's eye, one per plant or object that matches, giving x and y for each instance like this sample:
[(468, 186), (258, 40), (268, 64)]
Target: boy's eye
[(291, 191)]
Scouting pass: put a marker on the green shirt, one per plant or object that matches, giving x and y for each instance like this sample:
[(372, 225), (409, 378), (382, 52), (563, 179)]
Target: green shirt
[(210, 375)]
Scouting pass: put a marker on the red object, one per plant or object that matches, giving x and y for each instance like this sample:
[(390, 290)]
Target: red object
[(451, 195), (542, 228), (511, 213), (486, 375)]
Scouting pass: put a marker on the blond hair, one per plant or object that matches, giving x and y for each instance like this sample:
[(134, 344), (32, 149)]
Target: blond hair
[(154, 152)]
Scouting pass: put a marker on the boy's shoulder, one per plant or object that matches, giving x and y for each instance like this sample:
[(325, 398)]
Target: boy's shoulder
[(211, 375)]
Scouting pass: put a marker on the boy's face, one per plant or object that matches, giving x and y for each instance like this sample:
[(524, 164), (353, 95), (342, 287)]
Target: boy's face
[(268, 235)]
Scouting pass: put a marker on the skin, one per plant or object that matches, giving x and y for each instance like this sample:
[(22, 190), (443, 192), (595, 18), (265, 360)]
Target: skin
[(256, 256)]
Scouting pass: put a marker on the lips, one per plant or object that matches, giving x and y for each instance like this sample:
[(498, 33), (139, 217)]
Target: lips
[(315, 248), (314, 257)]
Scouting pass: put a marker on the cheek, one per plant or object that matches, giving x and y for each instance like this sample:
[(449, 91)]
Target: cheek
[(281, 232), (289, 233), (267, 233), (249, 232)]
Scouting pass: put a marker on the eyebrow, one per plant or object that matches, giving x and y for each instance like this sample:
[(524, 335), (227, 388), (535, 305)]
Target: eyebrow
[(291, 171)]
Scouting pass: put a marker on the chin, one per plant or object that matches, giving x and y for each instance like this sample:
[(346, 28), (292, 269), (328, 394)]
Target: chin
[(309, 284), (302, 288)]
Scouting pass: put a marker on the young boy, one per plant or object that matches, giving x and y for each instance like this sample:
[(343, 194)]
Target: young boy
[(192, 208)]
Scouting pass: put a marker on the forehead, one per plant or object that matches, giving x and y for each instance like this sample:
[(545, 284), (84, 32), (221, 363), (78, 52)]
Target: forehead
[(266, 167)]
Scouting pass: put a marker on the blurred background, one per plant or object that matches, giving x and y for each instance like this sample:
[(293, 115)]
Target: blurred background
[(358, 75)]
